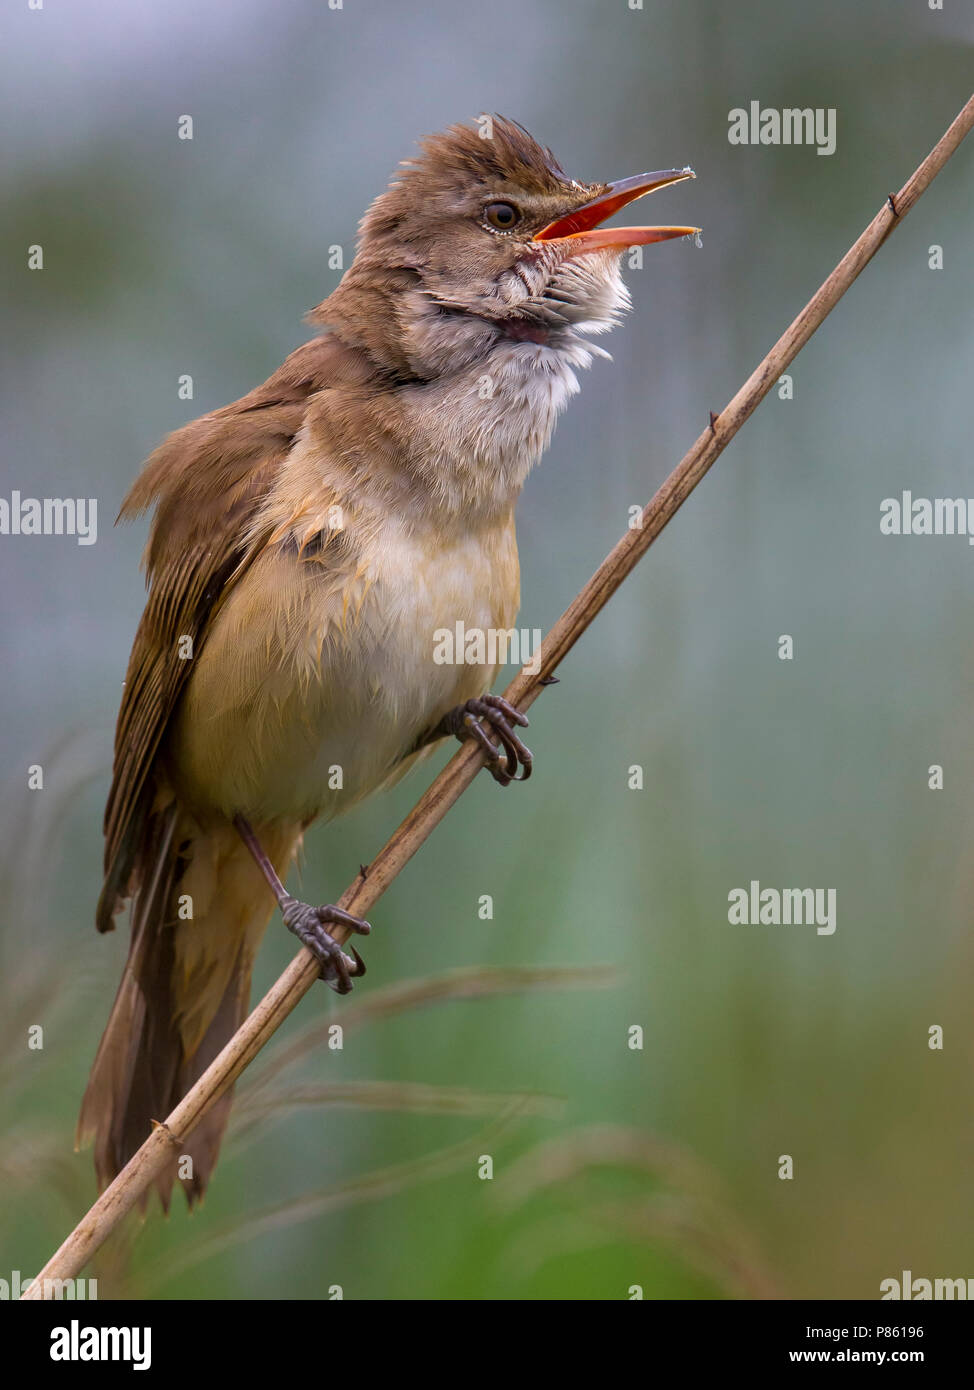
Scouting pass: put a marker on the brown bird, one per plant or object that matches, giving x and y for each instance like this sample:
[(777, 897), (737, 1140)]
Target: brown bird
[(307, 543)]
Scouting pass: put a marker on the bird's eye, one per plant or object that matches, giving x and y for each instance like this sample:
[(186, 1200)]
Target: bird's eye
[(502, 216)]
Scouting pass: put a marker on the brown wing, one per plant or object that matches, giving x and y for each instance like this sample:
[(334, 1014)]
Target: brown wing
[(206, 482)]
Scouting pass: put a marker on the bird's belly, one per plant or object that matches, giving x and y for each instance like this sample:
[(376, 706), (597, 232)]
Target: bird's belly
[(310, 693)]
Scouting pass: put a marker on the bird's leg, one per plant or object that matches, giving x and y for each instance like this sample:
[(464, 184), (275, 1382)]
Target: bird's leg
[(308, 923), (480, 717)]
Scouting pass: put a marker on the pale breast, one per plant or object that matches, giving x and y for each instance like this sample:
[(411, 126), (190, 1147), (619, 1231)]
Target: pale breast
[(317, 680)]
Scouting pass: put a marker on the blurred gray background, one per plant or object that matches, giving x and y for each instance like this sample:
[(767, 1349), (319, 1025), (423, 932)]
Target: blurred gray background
[(655, 1167)]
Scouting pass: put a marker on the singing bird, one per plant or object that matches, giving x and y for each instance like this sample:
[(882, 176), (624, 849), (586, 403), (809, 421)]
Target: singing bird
[(307, 542)]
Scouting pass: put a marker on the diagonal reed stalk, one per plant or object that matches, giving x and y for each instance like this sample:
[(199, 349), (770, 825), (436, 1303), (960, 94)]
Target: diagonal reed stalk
[(157, 1151)]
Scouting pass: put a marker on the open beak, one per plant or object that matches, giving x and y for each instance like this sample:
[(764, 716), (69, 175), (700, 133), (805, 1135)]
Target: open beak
[(580, 230)]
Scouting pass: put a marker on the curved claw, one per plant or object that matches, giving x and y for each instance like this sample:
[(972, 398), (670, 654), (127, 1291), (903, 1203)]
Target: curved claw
[(309, 926), (485, 715), (500, 714), (338, 971), (518, 755), (502, 765)]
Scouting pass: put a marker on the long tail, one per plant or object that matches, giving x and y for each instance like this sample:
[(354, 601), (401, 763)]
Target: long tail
[(197, 920)]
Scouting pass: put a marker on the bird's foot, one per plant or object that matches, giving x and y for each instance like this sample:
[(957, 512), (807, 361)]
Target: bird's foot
[(483, 716), (308, 925)]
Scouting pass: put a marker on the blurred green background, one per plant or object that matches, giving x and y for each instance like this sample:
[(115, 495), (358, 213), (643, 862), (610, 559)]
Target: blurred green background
[(655, 1167)]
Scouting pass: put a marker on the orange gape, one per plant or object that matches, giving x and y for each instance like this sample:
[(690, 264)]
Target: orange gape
[(309, 543)]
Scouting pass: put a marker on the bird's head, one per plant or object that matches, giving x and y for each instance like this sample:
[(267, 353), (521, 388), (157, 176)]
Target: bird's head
[(483, 241)]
